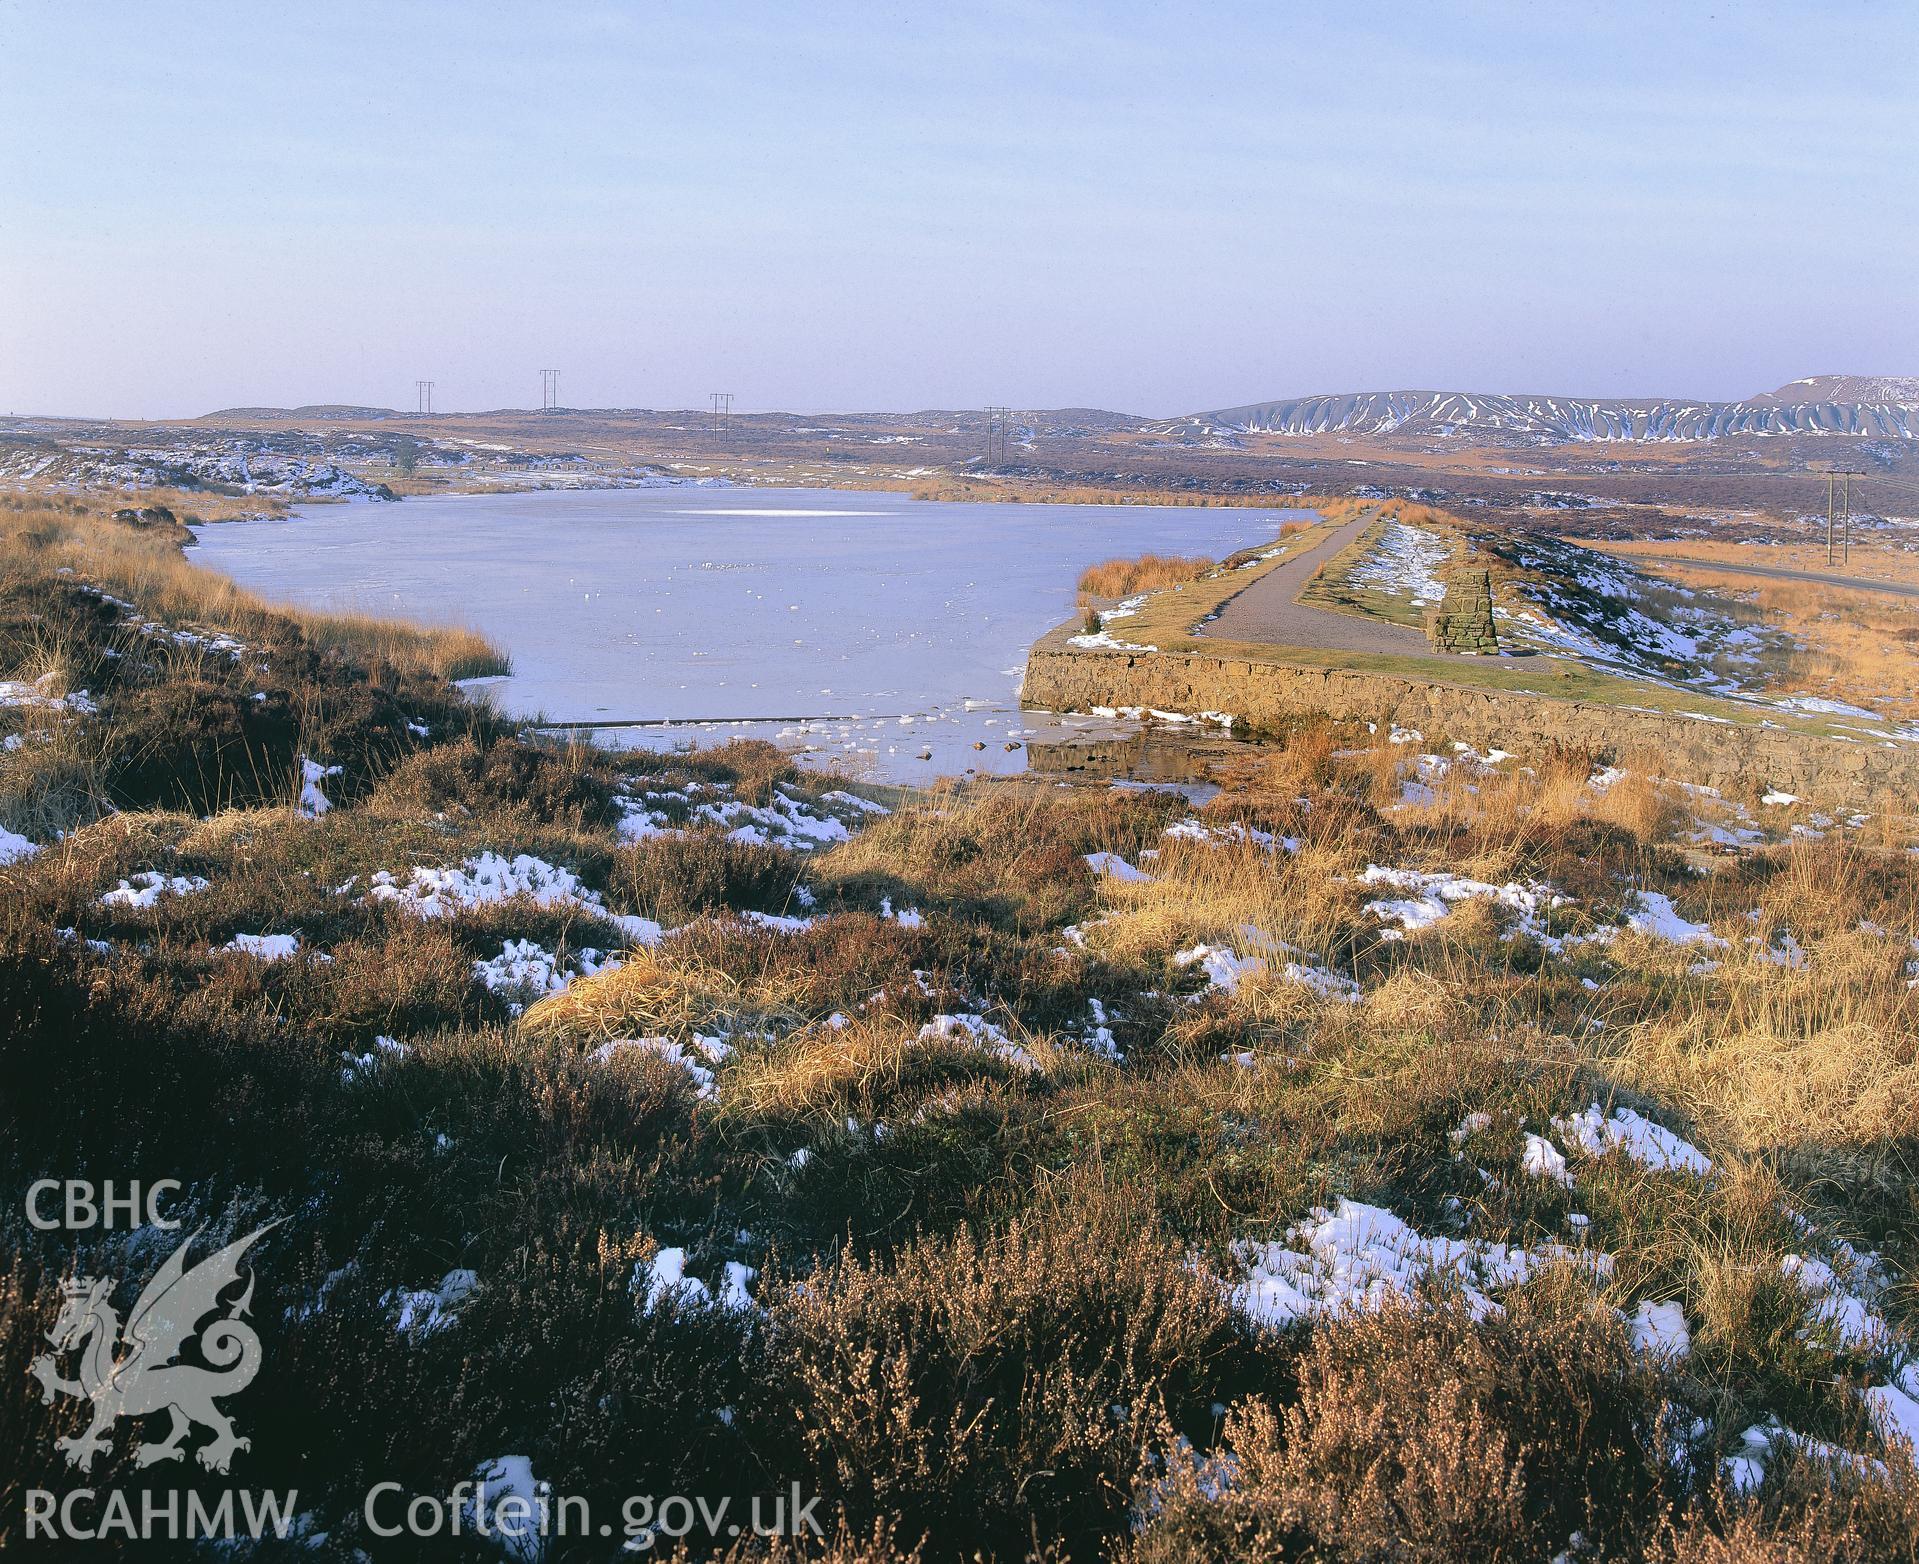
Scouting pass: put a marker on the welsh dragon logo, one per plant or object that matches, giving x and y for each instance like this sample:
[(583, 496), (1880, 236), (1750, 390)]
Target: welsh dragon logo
[(145, 1378)]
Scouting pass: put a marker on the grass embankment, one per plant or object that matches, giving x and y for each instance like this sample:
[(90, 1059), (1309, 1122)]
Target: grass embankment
[(1012, 490), (1167, 620), (978, 1132)]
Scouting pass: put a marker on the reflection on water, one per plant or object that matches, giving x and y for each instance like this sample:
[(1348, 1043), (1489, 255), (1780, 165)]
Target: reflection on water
[(879, 633)]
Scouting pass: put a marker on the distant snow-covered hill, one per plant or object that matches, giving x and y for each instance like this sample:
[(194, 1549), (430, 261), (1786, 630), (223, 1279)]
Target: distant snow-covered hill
[(1867, 406), (1896, 390)]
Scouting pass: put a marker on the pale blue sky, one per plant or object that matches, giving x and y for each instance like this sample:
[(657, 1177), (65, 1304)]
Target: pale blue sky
[(1151, 207)]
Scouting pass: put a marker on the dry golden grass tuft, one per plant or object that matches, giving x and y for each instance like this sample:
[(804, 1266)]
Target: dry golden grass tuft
[(862, 1064), (1124, 577), (1830, 1065), (654, 994), (1413, 1000)]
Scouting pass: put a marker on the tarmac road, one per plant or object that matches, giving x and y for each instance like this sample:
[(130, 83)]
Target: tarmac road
[(1774, 573)]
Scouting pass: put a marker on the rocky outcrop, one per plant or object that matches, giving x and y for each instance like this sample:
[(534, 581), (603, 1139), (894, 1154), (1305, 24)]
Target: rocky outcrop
[(1865, 774)]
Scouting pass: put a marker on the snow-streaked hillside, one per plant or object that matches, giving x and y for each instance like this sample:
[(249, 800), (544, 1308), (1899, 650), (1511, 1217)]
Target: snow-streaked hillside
[(1555, 419), (1899, 390)]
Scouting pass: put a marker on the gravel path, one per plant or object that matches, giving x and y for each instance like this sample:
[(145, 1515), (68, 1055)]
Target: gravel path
[(1268, 610)]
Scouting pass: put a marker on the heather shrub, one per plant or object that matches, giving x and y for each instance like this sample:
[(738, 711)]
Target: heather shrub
[(677, 878), (1419, 1434), (997, 1388)]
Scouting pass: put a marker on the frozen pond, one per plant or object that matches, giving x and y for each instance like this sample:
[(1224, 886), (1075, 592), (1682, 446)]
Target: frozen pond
[(867, 628)]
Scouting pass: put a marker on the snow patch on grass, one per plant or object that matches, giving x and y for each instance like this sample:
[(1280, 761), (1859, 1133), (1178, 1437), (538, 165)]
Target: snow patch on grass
[(148, 886), (1633, 1136), (976, 1028), (313, 802), (424, 1311), (524, 972), (1405, 563), (1654, 915), (664, 1278), (1360, 1257), (490, 878), (265, 947), (1435, 895)]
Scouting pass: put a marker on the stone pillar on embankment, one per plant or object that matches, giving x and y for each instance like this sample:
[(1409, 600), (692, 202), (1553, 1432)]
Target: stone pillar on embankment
[(1463, 622)]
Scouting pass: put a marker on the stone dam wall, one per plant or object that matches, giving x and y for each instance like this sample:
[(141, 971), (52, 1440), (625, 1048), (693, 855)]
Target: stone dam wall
[(1864, 775)]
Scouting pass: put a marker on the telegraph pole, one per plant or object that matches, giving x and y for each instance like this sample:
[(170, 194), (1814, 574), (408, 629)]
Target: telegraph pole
[(549, 390), (722, 408), (1829, 517), (999, 422), (1841, 517), (423, 390)]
